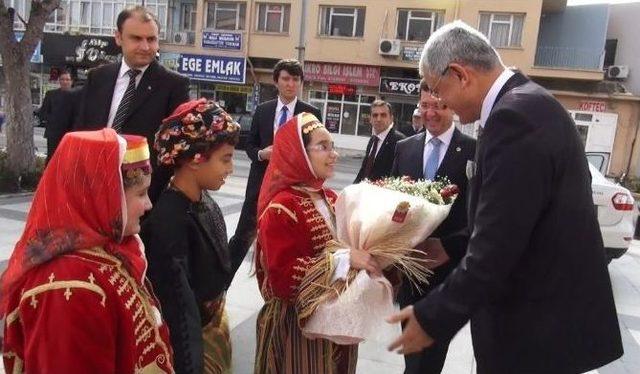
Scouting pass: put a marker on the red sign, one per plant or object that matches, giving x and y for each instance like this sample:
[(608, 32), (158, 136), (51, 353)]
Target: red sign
[(358, 75), (593, 106), (342, 89)]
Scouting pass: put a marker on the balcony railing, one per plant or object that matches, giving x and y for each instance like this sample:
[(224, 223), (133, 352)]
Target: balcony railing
[(571, 58)]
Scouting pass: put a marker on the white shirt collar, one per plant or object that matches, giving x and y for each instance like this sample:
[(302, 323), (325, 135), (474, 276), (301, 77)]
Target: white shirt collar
[(383, 135), (445, 137), (490, 99), (290, 107), (124, 68)]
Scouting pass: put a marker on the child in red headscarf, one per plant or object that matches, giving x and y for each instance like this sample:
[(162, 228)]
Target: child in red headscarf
[(295, 223), (74, 296)]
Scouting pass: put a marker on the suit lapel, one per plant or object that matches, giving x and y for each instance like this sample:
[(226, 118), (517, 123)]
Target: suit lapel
[(105, 95), (270, 114), (452, 154)]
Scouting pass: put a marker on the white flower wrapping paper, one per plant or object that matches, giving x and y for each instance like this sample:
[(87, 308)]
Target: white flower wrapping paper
[(364, 219)]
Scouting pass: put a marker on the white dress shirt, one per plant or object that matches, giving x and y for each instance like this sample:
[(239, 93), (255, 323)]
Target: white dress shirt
[(492, 95), (381, 137), (445, 138), (121, 86), (290, 109)]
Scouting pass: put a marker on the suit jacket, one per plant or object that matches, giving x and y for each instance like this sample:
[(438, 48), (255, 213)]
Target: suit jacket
[(409, 161), (62, 118), (52, 101), (159, 92), (261, 136), (534, 281), (384, 159)]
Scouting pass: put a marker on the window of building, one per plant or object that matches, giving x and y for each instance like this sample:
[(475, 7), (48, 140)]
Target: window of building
[(188, 17), (502, 29), (226, 15), (98, 17), (273, 18), (344, 114), (339, 21), (417, 25)]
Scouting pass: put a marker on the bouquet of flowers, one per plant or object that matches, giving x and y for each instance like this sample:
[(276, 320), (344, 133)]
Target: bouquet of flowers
[(388, 218)]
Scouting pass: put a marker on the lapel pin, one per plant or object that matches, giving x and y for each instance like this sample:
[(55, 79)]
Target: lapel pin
[(148, 87), (458, 149)]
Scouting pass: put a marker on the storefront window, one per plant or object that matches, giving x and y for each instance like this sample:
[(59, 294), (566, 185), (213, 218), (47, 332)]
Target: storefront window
[(344, 114)]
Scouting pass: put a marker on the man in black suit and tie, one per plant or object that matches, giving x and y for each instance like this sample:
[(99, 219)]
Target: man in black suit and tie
[(378, 158), (534, 281), (441, 151), (267, 119), (135, 95), (52, 104)]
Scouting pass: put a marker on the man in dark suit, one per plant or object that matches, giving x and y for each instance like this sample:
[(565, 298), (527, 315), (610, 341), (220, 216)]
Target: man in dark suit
[(63, 117), (441, 151), (378, 158), (534, 281), (52, 102), (135, 95), (267, 119)]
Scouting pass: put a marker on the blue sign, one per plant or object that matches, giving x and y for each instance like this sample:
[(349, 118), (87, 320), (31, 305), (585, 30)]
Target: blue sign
[(222, 40), (36, 58), (213, 68)]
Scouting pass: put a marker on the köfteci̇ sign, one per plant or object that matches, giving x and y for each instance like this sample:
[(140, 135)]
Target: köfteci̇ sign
[(593, 106), (213, 68), (359, 75)]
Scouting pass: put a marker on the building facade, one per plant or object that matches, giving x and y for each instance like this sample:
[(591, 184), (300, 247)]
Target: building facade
[(355, 51)]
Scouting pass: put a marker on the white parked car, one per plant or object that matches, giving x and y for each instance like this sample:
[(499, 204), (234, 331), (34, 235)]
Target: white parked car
[(616, 212)]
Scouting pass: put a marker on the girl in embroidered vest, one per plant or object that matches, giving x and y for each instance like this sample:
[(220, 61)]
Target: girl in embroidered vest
[(295, 222), (189, 262), (74, 294)]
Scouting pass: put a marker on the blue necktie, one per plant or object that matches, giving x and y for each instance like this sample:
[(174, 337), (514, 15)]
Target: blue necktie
[(431, 166), (283, 117)]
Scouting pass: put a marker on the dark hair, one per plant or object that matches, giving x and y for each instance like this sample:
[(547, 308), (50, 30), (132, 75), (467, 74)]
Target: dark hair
[(291, 66), (208, 148), (133, 177), (141, 12), (379, 103)]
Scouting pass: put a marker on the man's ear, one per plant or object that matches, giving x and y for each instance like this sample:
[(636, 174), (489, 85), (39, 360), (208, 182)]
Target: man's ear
[(461, 72)]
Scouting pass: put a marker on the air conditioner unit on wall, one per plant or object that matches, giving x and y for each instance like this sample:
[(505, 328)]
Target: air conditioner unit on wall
[(618, 71), (180, 37), (389, 47)]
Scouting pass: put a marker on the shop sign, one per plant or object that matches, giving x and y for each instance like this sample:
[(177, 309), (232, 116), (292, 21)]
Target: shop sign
[(400, 86), (332, 122), (222, 40), (213, 68), (234, 88), (411, 53), (79, 50), (342, 89), (593, 106), (358, 75)]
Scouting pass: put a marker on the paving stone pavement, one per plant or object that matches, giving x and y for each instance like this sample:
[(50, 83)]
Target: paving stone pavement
[(244, 301)]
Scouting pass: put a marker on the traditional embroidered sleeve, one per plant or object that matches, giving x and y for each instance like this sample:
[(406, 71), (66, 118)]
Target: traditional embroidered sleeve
[(167, 245), (79, 306), (286, 250)]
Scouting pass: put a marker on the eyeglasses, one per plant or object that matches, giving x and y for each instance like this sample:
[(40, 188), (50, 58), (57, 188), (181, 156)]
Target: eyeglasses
[(434, 90), (322, 147), (424, 107)]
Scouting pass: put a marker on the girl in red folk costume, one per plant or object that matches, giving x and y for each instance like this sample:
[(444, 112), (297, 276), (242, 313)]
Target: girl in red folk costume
[(295, 223), (74, 296)]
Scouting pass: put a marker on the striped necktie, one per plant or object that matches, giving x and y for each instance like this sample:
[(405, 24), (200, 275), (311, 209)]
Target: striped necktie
[(125, 103)]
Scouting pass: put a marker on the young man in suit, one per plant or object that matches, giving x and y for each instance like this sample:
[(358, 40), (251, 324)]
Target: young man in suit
[(53, 102), (134, 96), (267, 119), (378, 158), (534, 281), (440, 151)]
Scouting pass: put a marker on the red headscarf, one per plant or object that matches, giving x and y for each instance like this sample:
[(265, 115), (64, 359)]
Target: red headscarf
[(79, 204), (289, 164)]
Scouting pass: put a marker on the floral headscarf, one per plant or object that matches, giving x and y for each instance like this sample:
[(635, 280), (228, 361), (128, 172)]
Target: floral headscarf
[(80, 204), (191, 131)]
